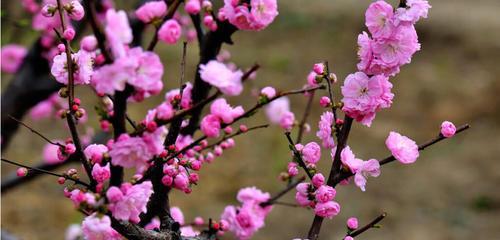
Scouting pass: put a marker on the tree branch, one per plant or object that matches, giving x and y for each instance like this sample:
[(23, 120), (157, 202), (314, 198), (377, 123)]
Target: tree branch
[(372, 224)]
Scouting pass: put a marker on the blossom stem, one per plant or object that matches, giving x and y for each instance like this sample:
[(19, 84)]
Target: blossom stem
[(36, 132), (370, 225), (46, 172), (280, 194), (297, 155)]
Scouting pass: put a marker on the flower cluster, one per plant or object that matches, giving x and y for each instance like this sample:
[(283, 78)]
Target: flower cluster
[(246, 219), (254, 16), (318, 196), (220, 113), (129, 201)]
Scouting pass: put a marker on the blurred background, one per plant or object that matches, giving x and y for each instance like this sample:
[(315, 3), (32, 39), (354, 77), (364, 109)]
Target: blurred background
[(451, 192)]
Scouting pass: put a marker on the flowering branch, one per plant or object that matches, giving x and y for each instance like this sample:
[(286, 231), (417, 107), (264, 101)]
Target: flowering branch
[(171, 11), (46, 172), (298, 156), (280, 194)]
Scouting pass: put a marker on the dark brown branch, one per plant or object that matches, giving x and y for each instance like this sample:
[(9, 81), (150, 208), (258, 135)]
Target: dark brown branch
[(90, 8), (372, 224), (46, 172)]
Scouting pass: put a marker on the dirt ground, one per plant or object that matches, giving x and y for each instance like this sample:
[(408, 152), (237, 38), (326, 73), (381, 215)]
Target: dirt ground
[(451, 192)]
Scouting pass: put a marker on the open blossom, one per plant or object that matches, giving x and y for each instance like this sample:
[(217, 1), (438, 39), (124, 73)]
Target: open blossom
[(262, 14), (151, 11), (244, 221), (379, 19), (98, 228), (224, 111), (118, 31), (130, 152), (170, 31), (415, 10), (12, 56), (50, 154), (325, 193), (324, 132), (269, 92), (448, 129), (128, 202), (148, 73), (361, 169), (83, 68), (113, 77), (402, 148), (101, 173), (327, 209), (396, 50), (222, 77), (186, 100), (75, 10), (364, 96), (311, 153), (210, 126), (73, 232), (277, 108), (94, 152), (89, 43)]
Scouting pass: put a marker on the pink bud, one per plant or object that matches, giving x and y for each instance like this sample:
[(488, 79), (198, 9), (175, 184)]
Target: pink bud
[(448, 129), (210, 157), (192, 7), (61, 180), (196, 165), (269, 92), (21, 172), (167, 180), (324, 101), (352, 223), (319, 68), (70, 148), (194, 177), (218, 151), (69, 34), (208, 20), (61, 47), (228, 130), (49, 10), (114, 194), (206, 4), (75, 10), (88, 43), (243, 128), (198, 221), (318, 180)]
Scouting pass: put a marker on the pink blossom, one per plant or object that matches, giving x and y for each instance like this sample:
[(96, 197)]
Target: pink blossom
[(361, 169), (89, 43), (164, 111), (402, 148), (396, 50), (192, 6), (75, 10), (352, 223), (318, 180), (379, 19), (319, 68), (327, 209), (21, 172), (189, 231), (118, 31), (253, 195), (95, 228), (148, 72), (269, 92), (73, 232), (181, 181), (113, 77), (50, 154), (287, 120), (414, 10), (263, 12), (325, 194), (311, 79), (302, 199), (448, 129), (243, 222), (365, 52), (177, 215), (130, 152), (277, 108), (101, 173), (83, 68), (311, 153), (224, 111), (303, 187), (325, 101), (348, 238), (42, 110), (133, 202), (220, 76), (170, 31), (12, 56), (94, 152), (292, 169), (363, 96), (210, 126), (324, 132), (151, 11)]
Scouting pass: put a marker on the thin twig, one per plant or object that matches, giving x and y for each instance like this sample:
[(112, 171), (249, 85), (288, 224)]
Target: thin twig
[(46, 172), (298, 156), (280, 194), (371, 224), (36, 132), (303, 121)]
